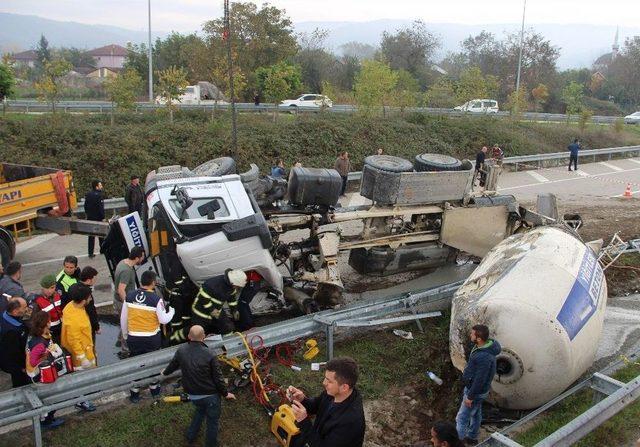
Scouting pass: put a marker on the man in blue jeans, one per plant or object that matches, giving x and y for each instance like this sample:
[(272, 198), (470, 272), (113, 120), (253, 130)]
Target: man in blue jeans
[(202, 380), (574, 148), (477, 378)]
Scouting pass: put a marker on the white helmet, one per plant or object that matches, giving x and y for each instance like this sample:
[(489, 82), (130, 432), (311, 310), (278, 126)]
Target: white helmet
[(237, 278)]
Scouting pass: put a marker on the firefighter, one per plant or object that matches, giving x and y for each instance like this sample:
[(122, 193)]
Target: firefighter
[(214, 293)]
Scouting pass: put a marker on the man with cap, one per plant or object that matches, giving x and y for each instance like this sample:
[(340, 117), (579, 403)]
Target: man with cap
[(49, 301), (214, 293), (133, 195)]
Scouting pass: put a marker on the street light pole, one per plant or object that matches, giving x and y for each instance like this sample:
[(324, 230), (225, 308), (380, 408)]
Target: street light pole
[(149, 57), (226, 35), (524, 9)]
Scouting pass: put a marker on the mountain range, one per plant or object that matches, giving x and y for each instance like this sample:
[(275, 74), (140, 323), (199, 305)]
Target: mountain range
[(579, 44)]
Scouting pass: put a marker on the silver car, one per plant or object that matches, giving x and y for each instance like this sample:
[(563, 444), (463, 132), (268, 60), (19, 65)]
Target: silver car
[(634, 118)]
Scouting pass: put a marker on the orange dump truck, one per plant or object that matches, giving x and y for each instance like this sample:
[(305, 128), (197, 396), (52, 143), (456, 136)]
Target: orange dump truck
[(25, 192)]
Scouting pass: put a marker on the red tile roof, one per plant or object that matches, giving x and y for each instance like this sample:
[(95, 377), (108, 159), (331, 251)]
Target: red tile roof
[(109, 50)]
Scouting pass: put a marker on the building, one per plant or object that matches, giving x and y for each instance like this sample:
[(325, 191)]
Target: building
[(110, 56), (104, 72), (25, 58), (602, 63)]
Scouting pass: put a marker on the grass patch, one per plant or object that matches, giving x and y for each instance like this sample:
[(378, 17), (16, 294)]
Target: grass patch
[(619, 430), (386, 361)]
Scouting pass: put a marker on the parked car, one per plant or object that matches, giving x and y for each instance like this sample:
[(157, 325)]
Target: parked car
[(308, 100), (634, 118), (479, 106)]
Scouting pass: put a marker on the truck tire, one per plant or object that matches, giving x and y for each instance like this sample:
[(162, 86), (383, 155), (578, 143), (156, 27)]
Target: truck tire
[(379, 185), (5, 253), (251, 175), (436, 162), (216, 167), (388, 163)]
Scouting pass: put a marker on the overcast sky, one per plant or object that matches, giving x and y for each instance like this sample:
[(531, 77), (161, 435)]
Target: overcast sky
[(188, 15)]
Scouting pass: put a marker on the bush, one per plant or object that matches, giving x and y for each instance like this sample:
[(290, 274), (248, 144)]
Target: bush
[(139, 143)]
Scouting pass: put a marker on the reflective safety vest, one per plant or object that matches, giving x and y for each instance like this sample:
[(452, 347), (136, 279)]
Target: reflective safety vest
[(65, 281), (52, 306), (209, 307), (142, 319)]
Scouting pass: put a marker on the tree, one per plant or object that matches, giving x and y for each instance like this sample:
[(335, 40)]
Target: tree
[(373, 85), (7, 82), (122, 90), (540, 96), (360, 51), (43, 53), (220, 74), (260, 37), (623, 76), (406, 90), (75, 56), (473, 85), (441, 95), (279, 81), (137, 59), (172, 82), (315, 62), (517, 102), (49, 85), (572, 96)]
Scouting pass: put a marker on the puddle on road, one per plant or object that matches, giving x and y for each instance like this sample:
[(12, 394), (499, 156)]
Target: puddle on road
[(106, 342)]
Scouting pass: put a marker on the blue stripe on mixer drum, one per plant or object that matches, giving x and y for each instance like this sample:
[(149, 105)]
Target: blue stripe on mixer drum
[(582, 301)]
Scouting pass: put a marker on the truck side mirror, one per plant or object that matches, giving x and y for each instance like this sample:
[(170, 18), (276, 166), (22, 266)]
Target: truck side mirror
[(209, 209)]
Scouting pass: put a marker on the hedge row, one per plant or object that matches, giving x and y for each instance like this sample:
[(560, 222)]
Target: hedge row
[(92, 148)]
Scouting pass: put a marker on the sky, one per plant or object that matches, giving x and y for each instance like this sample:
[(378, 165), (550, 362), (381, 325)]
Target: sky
[(188, 15)]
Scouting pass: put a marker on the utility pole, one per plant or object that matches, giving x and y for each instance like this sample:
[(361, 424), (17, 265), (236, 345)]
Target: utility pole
[(226, 35), (524, 9), (149, 57)]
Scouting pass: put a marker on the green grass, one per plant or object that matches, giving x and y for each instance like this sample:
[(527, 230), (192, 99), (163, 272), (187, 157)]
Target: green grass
[(386, 361), (617, 431)]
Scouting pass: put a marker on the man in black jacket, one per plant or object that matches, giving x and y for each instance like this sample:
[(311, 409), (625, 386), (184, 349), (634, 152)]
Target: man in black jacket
[(338, 409), (94, 209), (133, 195), (13, 338), (202, 380), (477, 377)]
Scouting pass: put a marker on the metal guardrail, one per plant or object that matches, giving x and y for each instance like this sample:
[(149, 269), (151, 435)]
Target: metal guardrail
[(29, 106), (118, 203), (32, 401)]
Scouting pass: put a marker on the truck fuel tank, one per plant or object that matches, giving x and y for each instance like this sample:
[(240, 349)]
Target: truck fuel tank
[(543, 295)]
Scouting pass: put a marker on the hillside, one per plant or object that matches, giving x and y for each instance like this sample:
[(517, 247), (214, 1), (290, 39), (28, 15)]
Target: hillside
[(140, 143)]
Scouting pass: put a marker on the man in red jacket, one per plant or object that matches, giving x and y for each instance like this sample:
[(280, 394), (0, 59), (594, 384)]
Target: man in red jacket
[(50, 301)]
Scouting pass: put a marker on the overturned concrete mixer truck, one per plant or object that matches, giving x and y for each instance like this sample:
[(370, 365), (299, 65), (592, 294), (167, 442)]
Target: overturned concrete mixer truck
[(199, 222)]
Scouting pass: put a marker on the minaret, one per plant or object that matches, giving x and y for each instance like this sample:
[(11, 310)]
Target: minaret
[(616, 47)]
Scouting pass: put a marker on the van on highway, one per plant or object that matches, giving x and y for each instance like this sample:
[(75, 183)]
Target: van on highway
[(479, 106)]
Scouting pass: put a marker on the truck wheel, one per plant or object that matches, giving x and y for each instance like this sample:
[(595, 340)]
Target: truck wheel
[(379, 185), (388, 163), (251, 175), (216, 167), (436, 162), (5, 253)]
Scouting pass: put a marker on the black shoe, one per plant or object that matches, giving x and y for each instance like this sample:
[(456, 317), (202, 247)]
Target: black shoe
[(470, 441), (50, 424), (92, 256), (569, 169)]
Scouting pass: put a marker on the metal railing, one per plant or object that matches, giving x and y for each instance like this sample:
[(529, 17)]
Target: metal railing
[(29, 106), (33, 401)]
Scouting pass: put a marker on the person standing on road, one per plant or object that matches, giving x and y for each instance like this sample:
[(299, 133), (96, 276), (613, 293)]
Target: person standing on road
[(477, 377), (88, 278), (573, 148), (480, 158), (497, 154), (124, 281), (343, 166), (133, 195), (94, 209), (142, 314), (10, 285), (76, 335), (67, 277), (202, 380), (13, 339), (339, 415), (49, 301)]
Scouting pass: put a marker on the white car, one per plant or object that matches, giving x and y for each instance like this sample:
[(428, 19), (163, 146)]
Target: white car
[(634, 118), (479, 106), (308, 100)]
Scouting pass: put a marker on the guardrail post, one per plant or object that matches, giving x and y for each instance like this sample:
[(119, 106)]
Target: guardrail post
[(516, 167), (37, 431), (330, 330), (27, 109)]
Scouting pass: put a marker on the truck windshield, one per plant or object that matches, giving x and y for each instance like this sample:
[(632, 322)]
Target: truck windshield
[(193, 213)]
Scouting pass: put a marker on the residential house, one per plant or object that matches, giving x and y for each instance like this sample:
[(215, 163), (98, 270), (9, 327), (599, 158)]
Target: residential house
[(110, 56), (25, 58)]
